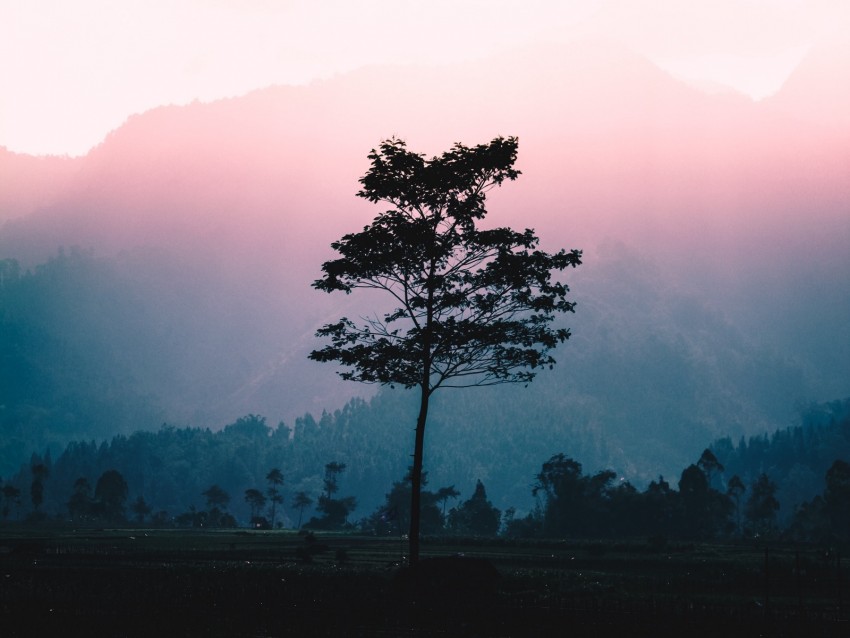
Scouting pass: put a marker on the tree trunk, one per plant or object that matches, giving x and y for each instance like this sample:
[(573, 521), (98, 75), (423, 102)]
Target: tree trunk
[(416, 477)]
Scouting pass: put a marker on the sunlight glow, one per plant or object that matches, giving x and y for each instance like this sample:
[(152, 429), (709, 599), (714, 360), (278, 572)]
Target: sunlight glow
[(79, 69)]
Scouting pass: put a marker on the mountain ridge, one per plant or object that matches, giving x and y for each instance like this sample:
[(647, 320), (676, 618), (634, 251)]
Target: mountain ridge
[(220, 214)]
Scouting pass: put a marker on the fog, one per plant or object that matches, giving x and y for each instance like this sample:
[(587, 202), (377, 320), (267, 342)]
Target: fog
[(712, 301)]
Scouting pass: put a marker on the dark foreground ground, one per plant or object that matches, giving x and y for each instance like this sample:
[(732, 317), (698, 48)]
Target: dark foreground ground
[(185, 583)]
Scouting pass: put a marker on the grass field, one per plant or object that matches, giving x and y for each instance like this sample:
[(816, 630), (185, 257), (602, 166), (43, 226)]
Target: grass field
[(243, 583)]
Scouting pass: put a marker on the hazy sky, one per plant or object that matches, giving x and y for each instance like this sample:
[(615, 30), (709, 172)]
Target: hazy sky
[(72, 70)]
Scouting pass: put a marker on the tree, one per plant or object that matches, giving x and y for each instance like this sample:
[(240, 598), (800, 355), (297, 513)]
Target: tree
[(80, 503), (335, 510), (444, 494), (216, 497), (40, 472), (695, 499), (11, 495), (275, 479), (256, 501), (734, 491), (705, 511), (477, 515), (141, 509), (217, 501), (561, 483), (709, 464), (811, 521), (659, 508), (110, 493), (473, 306), (837, 498), (300, 501), (394, 515), (331, 482), (762, 505)]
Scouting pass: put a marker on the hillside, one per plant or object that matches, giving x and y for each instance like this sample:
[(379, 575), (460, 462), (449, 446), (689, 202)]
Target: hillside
[(711, 300)]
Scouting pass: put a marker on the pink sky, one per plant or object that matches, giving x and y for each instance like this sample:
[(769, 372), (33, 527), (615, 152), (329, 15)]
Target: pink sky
[(73, 71)]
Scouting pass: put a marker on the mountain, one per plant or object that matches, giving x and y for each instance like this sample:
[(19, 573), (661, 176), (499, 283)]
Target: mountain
[(29, 183), (711, 300)]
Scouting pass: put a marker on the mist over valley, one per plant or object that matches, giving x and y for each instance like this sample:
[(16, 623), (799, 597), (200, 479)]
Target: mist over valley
[(165, 276)]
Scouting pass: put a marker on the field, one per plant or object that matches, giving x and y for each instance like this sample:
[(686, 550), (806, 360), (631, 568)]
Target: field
[(244, 583)]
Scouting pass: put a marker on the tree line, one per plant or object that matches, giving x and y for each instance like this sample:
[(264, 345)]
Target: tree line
[(96, 346), (705, 504)]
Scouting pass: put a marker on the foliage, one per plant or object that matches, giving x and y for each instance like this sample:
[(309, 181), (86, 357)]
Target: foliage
[(576, 505), (110, 494), (475, 516), (11, 497), (393, 517), (735, 490), (334, 511), (256, 501), (172, 468), (762, 506), (826, 517), (80, 504), (796, 458), (40, 472), (705, 510), (837, 497), (474, 305), (216, 497), (141, 509), (300, 501), (275, 480), (96, 346), (60, 375)]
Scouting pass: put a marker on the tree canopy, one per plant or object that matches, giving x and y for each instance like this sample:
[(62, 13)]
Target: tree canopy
[(474, 306)]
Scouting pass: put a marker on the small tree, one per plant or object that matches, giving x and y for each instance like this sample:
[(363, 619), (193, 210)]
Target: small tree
[(762, 506), (335, 510), (709, 464), (444, 494), (217, 501), (394, 515), (11, 496), (275, 479), (216, 497), (141, 509), (110, 494), (735, 490), (331, 482), (477, 515), (695, 498), (837, 498), (474, 305), (301, 501), (80, 503), (40, 472), (256, 501), (561, 484)]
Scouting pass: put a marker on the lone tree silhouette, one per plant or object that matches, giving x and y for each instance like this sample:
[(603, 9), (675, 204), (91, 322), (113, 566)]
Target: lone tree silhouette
[(474, 305)]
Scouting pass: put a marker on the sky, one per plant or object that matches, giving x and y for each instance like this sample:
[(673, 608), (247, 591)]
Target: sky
[(73, 70)]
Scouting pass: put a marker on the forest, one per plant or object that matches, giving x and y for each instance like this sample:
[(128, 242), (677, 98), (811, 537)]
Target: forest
[(67, 390), (344, 472), (98, 351), (97, 346)]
